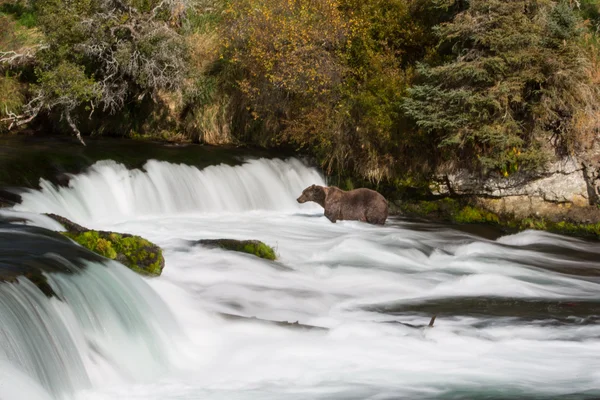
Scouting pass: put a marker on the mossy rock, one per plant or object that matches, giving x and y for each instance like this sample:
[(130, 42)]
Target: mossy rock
[(254, 247), (135, 252)]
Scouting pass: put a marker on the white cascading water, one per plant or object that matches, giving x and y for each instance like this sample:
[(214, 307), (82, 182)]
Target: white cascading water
[(517, 316), (102, 324), (111, 192)]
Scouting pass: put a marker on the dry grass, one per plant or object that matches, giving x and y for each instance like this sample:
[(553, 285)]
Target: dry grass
[(586, 121), (204, 51)]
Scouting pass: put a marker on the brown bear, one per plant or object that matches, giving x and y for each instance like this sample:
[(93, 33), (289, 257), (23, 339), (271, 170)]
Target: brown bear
[(364, 205)]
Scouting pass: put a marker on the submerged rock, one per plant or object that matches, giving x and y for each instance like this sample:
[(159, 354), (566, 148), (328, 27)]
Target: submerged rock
[(135, 252), (31, 252), (254, 247)]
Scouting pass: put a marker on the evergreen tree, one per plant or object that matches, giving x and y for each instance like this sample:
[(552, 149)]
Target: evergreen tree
[(511, 90)]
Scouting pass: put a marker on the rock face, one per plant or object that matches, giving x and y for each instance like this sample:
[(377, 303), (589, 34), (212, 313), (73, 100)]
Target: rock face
[(254, 247), (565, 189), (135, 252)]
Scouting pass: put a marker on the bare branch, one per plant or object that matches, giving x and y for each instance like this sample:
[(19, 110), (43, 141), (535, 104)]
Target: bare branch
[(67, 115), (13, 59)]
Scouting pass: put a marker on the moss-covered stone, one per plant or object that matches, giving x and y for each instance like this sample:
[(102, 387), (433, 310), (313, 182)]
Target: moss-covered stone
[(254, 247), (135, 252)]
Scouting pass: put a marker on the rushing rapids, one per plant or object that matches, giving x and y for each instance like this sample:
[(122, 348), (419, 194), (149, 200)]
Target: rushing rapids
[(89, 320), (517, 315)]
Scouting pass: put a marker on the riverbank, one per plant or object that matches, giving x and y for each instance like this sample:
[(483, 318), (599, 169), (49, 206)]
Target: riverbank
[(26, 159), (583, 222)]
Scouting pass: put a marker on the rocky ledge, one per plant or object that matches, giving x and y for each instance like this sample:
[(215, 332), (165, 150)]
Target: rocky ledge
[(566, 190)]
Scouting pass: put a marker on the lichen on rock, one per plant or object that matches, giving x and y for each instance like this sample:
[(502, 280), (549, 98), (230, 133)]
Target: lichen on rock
[(254, 247), (135, 252)]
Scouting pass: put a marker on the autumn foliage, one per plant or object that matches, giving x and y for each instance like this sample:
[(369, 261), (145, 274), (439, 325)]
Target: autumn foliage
[(382, 90)]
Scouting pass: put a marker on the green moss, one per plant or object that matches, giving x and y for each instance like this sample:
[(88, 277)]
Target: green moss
[(444, 209), (468, 215), (563, 227), (133, 251), (462, 212), (254, 247), (93, 241), (260, 250)]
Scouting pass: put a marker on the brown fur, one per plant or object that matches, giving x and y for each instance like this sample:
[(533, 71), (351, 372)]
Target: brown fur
[(364, 205)]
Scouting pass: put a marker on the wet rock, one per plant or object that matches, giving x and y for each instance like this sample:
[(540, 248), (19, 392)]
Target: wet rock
[(254, 247), (30, 252), (563, 181), (8, 198), (566, 190), (135, 252)]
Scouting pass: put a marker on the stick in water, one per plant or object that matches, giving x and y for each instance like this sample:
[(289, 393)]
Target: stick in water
[(432, 321)]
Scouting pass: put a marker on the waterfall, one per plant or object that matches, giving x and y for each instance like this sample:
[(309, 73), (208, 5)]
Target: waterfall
[(342, 314), (101, 320), (109, 191)]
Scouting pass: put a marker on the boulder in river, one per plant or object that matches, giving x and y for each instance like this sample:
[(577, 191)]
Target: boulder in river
[(254, 247), (135, 252)]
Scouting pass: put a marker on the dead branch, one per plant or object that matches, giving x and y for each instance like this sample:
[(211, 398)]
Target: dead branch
[(432, 321), (13, 59), (67, 115)]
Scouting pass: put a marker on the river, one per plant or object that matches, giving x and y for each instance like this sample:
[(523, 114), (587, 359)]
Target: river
[(517, 315)]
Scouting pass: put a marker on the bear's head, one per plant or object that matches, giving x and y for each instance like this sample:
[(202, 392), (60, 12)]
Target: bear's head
[(313, 193)]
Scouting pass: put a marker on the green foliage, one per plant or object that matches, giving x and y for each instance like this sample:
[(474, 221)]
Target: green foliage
[(590, 11), (382, 92), (11, 97), (319, 75), (471, 214), (443, 209), (67, 84), (464, 212), (98, 58), (21, 11), (515, 83)]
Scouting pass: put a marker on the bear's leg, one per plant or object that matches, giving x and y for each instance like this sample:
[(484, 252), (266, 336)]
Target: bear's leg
[(330, 217), (332, 213), (377, 217)]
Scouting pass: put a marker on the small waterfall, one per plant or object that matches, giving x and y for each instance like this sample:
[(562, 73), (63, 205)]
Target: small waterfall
[(108, 191), (101, 320)]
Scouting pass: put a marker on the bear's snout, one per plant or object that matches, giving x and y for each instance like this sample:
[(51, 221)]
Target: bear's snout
[(301, 199)]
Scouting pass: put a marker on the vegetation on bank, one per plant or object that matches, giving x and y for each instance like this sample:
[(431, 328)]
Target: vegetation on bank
[(388, 91), (465, 212)]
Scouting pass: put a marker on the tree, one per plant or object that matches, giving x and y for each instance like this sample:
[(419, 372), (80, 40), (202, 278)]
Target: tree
[(104, 54), (320, 76), (508, 97)]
